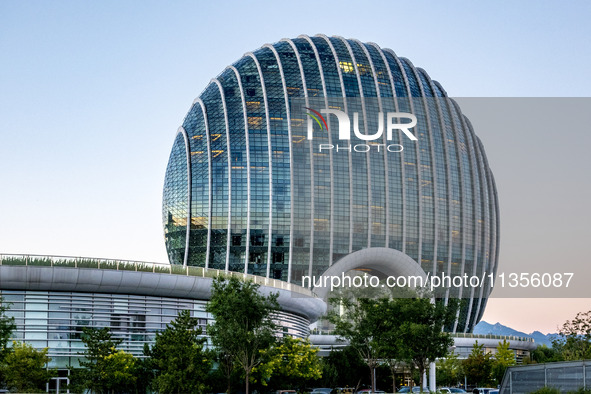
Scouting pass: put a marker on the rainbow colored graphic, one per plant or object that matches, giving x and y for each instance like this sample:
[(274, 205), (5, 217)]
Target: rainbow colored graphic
[(316, 118)]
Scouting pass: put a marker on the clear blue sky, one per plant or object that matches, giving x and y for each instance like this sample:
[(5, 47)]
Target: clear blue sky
[(91, 95)]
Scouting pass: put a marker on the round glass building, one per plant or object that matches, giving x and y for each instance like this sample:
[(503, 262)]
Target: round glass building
[(262, 181)]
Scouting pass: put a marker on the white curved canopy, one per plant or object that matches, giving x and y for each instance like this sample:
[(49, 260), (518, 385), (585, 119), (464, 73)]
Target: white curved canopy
[(380, 261)]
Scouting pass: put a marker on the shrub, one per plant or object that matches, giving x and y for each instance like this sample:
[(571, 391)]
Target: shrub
[(581, 390), (546, 390)]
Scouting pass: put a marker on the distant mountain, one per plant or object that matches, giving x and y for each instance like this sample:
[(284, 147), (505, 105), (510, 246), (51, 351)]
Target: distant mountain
[(543, 339), (499, 329)]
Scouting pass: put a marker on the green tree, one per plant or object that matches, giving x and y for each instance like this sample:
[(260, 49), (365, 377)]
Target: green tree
[(393, 365), (574, 338), (421, 335), (143, 375), (292, 363), (543, 354), (7, 326), (25, 368), (478, 366), (223, 378), (364, 323), (392, 350), (227, 368), (178, 358), (243, 322), (120, 369), (503, 358), (104, 368), (408, 329), (343, 368), (449, 370)]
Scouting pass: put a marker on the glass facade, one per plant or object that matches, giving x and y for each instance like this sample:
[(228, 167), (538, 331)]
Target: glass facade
[(54, 319), (247, 191)]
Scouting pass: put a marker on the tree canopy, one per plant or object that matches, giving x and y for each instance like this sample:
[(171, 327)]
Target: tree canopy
[(7, 326), (178, 358), (24, 368), (543, 354), (574, 338), (408, 329), (421, 331), (368, 326), (449, 370), (478, 366), (343, 367), (503, 358), (292, 362), (243, 323), (104, 368)]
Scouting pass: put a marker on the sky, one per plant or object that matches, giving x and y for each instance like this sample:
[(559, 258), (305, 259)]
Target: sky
[(92, 93)]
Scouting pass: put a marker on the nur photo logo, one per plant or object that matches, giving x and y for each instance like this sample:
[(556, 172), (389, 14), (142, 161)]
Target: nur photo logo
[(386, 131)]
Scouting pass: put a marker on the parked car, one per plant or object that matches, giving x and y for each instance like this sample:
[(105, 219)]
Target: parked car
[(321, 390), (369, 391), (415, 389), (486, 390), (456, 390), (285, 392)]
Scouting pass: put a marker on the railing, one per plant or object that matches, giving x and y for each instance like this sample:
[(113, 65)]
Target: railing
[(317, 331), (565, 376), (491, 336), (32, 260)]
